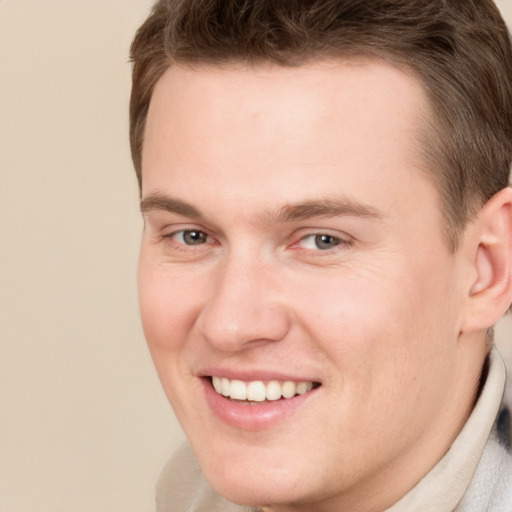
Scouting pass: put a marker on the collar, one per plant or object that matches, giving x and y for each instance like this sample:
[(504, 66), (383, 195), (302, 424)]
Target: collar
[(477, 452)]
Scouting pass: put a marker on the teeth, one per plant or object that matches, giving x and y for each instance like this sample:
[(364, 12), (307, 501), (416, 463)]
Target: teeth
[(302, 388), (238, 390), (226, 385), (258, 391), (273, 390), (217, 384), (288, 389)]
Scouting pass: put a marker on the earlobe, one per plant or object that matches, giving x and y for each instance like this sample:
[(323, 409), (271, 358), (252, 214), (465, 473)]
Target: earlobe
[(490, 293)]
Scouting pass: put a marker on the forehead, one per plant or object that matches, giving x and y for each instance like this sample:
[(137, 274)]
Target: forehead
[(354, 123)]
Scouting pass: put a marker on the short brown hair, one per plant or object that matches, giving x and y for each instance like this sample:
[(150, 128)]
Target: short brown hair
[(459, 49)]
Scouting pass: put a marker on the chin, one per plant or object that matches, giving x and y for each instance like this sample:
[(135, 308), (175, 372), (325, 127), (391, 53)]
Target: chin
[(245, 486), (253, 494)]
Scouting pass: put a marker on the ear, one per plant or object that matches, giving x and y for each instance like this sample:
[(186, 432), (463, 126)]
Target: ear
[(489, 245)]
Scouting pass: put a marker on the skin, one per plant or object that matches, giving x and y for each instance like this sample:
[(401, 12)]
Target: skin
[(377, 318)]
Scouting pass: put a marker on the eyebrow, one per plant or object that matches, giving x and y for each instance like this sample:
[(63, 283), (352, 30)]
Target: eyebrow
[(323, 208), (292, 212), (168, 204)]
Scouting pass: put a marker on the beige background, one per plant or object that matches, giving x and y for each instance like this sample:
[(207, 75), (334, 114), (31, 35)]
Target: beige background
[(84, 425)]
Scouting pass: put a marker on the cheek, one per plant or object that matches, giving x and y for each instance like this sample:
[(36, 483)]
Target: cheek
[(382, 326), (166, 304), (167, 314)]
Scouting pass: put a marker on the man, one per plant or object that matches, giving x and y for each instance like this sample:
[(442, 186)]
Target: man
[(327, 246)]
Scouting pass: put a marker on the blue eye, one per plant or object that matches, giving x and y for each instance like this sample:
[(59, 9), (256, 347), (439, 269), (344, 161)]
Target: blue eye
[(321, 242), (191, 237)]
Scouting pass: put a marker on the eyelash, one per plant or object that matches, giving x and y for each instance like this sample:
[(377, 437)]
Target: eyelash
[(315, 237), (182, 233)]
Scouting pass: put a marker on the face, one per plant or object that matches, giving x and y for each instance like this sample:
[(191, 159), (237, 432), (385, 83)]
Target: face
[(293, 260)]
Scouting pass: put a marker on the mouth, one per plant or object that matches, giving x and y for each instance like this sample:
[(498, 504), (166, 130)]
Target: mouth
[(258, 392), (257, 405)]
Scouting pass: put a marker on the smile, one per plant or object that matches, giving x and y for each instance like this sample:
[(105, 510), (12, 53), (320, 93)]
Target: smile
[(259, 391), (255, 405)]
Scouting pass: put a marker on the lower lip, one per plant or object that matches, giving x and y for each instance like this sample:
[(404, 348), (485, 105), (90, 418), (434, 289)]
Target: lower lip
[(262, 415)]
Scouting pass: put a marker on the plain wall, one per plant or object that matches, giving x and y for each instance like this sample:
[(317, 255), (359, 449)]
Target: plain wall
[(84, 425)]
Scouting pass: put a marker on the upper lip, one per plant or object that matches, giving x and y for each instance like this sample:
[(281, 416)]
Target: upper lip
[(248, 375)]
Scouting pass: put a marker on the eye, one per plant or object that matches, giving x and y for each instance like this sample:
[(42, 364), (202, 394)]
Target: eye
[(191, 237), (321, 242)]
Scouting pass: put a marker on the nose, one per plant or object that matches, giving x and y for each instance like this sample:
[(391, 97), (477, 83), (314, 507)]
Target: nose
[(243, 307)]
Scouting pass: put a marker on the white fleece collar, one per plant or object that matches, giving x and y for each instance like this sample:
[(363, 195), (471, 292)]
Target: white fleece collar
[(475, 463)]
